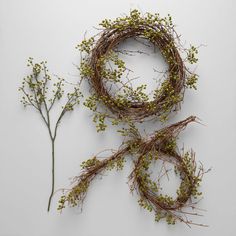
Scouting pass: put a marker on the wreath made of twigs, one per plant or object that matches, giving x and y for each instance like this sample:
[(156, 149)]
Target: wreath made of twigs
[(133, 107), (162, 146), (134, 104)]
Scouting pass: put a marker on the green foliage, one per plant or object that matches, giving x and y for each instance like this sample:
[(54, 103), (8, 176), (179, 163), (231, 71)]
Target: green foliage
[(170, 219), (99, 119), (170, 146), (86, 45), (75, 196), (90, 163), (191, 55), (85, 69), (190, 180), (192, 81), (136, 95), (91, 102), (131, 132), (35, 90), (117, 164), (145, 205)]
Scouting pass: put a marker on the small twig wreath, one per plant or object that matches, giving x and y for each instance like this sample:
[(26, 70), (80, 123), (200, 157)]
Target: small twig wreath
[(134, 104), (162, 146)]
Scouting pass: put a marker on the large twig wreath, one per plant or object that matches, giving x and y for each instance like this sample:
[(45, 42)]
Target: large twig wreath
[(134, 106)]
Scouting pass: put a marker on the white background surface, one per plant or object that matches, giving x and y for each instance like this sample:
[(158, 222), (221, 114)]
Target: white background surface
[(50, 30)]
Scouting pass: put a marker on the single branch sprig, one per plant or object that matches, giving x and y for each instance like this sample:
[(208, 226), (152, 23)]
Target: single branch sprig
[(35, 90)]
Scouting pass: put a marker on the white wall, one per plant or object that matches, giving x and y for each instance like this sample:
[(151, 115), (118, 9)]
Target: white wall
[(50, 30)]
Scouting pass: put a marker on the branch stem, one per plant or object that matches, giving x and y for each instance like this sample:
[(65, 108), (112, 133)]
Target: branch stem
[(53, 174)]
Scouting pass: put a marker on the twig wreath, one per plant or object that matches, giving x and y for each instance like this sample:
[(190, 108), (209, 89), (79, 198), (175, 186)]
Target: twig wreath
[(135, 106)]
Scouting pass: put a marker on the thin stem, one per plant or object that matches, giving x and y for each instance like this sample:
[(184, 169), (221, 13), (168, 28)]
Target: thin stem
[(53, 174)]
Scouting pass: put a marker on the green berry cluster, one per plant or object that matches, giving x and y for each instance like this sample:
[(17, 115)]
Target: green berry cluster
[(99, 119), (90, 163), (192, 178), (35, 89), (75, 196), (86, 45), (117, 164), (192, 81), (191, 54)]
